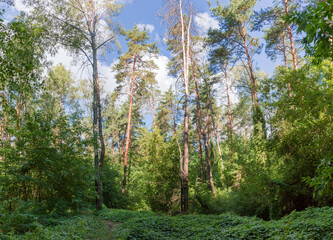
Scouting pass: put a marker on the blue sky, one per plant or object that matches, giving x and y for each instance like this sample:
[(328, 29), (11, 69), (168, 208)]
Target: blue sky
[(144, 13)]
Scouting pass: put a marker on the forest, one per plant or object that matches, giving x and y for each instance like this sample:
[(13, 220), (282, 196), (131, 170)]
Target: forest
[(227, 150)]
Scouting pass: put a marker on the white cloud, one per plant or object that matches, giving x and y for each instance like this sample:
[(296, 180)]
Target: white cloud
[(148, 27), (205, 21), (124, 1), (21, 7), (107, 77), (162, 76), (157, 38)]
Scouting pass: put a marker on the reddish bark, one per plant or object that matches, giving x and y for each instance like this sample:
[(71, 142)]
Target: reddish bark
[(129, 126)]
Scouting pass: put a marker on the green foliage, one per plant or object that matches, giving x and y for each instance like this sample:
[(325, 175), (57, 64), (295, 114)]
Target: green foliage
[(121, 215), (65, 228), (322, 181), (155, 173), (112, 173), (37, 170), (309, 224), (316, 21)]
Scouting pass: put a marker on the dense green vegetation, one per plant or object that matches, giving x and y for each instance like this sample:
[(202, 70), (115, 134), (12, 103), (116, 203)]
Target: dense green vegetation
[(231, 153), (314, 223)]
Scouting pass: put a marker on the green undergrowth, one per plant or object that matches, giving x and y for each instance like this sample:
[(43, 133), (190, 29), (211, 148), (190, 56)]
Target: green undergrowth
[(63, 228), (313, 223), (121, 215), (114, 224)]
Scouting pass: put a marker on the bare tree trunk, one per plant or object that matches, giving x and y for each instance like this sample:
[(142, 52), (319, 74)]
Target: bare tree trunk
[(186, 50), (229, 110), (128, 132), (244, 134), (214, 126), (173, 116), (152, 110), (60, 122), (292, 46), (197, 99), (98, 182), (252, 77), (285, 62), (96, 105), (207, 156), (100, 125), (18, 112)]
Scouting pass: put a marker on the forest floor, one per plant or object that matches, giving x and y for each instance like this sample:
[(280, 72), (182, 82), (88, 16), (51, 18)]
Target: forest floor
[(115, 224)]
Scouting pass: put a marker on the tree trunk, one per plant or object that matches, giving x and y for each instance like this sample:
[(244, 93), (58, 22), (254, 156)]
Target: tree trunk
[(186, 50), (207, 156), (249, 61), (285, 62), (292, 46), (214, 126), (244, 134), (197, 99), (100, 125), (229, 111), (152, 110), (18, 112), (96, 100), (60, 123), (128, 132)]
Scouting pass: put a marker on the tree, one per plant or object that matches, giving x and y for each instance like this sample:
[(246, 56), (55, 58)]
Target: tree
[(60, 85), (220, 58), (233, 20), (133, 66), (179, 27), (276, 36), (82, 29), (316, 21)]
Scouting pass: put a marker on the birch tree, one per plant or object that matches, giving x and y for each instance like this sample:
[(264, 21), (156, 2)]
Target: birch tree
[(85, 27)]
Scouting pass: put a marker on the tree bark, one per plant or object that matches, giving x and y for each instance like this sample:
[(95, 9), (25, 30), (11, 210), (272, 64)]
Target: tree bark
[(98, 180), (285, 61), (197, 99), (207, 156), (229, 110), (185, 51), (128, 132), (217, 139), (291, 38), (252, 77)]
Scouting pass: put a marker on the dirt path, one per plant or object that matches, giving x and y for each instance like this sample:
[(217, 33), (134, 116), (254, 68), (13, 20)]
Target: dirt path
[(111, 225)]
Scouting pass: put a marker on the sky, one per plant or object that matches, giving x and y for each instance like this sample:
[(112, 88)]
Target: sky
[(144, 14)]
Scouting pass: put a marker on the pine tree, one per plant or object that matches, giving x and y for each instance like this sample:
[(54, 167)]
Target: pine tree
[(136, 67)]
